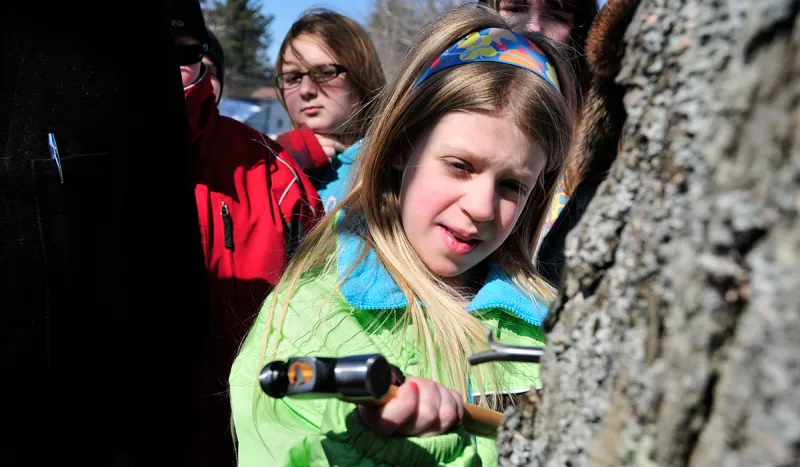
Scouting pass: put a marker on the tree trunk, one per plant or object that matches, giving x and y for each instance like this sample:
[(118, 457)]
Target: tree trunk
[(676, 336)]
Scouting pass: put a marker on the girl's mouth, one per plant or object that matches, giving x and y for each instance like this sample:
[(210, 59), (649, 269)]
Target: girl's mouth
[(457, 242)]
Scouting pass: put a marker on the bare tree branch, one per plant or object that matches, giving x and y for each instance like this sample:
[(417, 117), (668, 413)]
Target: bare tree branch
[(393, 25)]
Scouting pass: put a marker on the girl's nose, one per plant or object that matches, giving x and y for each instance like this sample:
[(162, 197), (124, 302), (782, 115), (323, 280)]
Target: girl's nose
[(307, 87), (480, 200), (534, 21)]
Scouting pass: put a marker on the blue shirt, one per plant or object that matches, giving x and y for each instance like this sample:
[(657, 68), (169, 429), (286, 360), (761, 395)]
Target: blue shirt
[(334, 185)]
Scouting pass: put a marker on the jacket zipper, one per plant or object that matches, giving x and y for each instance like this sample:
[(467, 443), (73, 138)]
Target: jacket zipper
[(227, 225)]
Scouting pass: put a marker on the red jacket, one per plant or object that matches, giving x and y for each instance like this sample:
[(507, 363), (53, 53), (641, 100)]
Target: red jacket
[(254, 203), (303, 146)]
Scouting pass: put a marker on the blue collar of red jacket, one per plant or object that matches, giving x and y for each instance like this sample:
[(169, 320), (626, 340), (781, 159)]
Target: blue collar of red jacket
[(369, 286)]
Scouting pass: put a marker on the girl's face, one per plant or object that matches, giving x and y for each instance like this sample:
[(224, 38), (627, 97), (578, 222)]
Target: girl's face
[(463, 189), (322, 107), (545, 16)]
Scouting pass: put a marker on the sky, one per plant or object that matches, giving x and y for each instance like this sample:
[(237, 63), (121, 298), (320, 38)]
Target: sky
[(287, 11)]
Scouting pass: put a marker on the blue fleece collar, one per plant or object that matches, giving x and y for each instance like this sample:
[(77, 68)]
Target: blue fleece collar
[(370, 286), (349, 155)]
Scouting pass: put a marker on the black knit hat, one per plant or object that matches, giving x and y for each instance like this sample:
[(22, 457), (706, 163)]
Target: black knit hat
[(186, 19), (217, 56)]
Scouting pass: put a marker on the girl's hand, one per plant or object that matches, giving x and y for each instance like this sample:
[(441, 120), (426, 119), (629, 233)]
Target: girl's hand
[(422, 408), (331, 147)]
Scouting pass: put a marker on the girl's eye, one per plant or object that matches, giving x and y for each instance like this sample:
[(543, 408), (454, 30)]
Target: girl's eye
[(556, 9), (514, 9), (458, 166), (514, 187), (563, 16), (291, 77)]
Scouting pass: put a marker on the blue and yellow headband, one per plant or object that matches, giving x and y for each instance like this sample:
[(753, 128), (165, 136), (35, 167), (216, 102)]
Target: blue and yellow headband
[(496, 45)]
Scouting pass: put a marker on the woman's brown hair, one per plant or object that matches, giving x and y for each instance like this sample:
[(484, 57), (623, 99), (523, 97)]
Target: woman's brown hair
[(350, 44)]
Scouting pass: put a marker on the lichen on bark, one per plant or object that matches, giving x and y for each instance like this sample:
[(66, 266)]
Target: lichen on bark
[(676, 336)]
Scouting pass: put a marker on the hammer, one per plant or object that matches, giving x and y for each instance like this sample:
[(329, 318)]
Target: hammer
[(360, 379)]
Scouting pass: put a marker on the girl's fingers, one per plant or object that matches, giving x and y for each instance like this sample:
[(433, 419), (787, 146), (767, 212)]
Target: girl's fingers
[(329, 151), (422, 408), (330, 146), (397, 413), (338, 147), (459, 403), (449, 413), (427, 413)]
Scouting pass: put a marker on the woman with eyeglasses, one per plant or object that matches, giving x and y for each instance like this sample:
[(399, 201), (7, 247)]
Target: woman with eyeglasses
[(327, 73)]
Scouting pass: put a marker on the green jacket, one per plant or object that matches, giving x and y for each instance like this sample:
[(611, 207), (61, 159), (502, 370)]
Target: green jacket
[(324, 319)]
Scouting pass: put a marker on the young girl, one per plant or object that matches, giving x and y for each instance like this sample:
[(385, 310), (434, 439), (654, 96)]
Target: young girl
[(429, 251), (328, 74)]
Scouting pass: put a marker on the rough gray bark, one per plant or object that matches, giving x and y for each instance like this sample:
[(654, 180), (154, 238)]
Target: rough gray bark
[(676, 338)]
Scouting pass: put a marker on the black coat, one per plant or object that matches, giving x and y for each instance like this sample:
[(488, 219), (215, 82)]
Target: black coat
[(102, 286)]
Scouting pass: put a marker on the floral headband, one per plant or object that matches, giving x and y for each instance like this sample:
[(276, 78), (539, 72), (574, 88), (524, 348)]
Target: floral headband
[(496, 45)]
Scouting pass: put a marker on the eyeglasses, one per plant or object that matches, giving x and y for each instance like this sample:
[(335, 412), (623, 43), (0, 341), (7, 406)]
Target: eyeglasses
[(319, 74), (189, 54)]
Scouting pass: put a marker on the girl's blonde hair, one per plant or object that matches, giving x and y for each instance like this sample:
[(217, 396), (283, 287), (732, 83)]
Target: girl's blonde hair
[(350, 45), (446, 334)]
